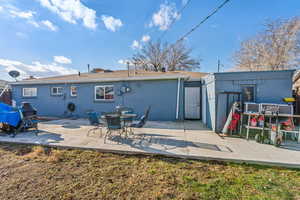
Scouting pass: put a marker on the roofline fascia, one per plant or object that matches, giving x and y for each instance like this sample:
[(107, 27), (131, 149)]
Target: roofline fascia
[(41, 82), (263, 71)]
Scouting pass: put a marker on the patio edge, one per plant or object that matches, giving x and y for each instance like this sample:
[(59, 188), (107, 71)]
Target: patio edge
[(201, 158)]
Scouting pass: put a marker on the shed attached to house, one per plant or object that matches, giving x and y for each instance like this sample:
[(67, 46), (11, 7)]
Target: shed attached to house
[(220, 90)]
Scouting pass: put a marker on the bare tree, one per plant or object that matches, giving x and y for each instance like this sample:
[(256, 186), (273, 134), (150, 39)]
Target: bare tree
[(276, 48), (152, 56), (178, 58), (156, 56)]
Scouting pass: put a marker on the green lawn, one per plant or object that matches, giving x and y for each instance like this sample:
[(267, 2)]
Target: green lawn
[(28, 172)]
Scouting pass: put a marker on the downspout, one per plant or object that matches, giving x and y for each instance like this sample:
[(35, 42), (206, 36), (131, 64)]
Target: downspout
[(65, 98), (178, 95)]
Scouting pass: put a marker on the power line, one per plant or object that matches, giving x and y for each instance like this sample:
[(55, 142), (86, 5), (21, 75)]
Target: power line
[(174, 19), (202, 21)]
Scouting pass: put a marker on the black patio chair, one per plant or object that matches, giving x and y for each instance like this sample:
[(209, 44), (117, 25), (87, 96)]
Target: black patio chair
[(141, 123), (93, 118), (113, 123)]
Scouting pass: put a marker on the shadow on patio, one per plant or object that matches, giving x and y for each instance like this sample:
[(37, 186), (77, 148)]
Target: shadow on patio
[(158, 143)]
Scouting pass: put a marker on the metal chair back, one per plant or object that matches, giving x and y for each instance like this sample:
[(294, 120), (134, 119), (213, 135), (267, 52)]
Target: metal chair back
[(113, 121), (93, 118), (143, 119)]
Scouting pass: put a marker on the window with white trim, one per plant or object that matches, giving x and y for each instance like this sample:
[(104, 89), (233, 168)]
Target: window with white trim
[(29, 92), (73, 90), (104, 92), (56, 91)]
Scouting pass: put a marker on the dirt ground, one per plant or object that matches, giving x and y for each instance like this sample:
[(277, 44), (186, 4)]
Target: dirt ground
[(34, 172)]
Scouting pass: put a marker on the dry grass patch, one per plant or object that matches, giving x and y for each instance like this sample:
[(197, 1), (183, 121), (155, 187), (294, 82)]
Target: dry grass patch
[(37, 152), (45, 173)]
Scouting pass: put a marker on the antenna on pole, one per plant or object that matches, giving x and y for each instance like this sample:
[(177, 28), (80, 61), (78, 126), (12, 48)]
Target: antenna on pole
[(219, 63)]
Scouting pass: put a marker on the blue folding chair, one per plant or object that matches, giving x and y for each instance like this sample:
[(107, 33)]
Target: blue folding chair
[(93, 118)]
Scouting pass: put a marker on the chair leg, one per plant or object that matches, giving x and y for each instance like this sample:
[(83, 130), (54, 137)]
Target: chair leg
[(105, 136), (93, 130), (108, 133), (89, 131)]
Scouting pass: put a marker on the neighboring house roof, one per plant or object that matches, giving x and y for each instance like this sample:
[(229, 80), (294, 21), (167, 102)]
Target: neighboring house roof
[(3, 83), (119, 75)]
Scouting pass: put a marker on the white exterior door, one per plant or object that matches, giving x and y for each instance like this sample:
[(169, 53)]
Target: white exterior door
[(192, 102)]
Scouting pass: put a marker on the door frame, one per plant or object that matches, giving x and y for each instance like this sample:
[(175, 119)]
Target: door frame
[(203, 104), (196, 84)]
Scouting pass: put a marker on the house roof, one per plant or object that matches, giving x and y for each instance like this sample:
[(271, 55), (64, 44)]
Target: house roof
[(3, 83), (119, 75)]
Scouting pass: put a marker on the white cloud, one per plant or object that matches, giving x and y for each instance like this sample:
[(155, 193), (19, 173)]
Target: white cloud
[(62, 60), (136, 45), (164, 16), (26, 15), (145, 38), (72, 11), (1, 8), (22, 14), (36, 68), (33, 23), (49, 25), (111, 23), (29, 17)]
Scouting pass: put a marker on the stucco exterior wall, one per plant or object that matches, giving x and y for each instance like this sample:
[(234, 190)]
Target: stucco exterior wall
[(161, 95)]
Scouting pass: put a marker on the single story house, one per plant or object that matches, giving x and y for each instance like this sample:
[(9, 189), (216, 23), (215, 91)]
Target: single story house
[(172, 95), (102, 91)]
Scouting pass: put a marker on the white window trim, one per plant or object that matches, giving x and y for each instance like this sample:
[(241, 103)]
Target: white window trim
[(57, 94), (23, 93), (73, 86), (103, 86)]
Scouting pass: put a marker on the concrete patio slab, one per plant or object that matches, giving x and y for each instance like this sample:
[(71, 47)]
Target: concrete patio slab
[(189, 139)]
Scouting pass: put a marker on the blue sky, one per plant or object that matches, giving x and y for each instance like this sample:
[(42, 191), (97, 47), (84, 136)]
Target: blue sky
[(53, 37)]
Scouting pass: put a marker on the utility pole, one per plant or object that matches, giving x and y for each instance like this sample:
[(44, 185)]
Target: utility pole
[(219, 63)]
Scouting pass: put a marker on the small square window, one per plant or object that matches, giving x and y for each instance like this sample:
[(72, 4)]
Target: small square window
[(248, 93), (56, 91), (73, 91), (29, 92)]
